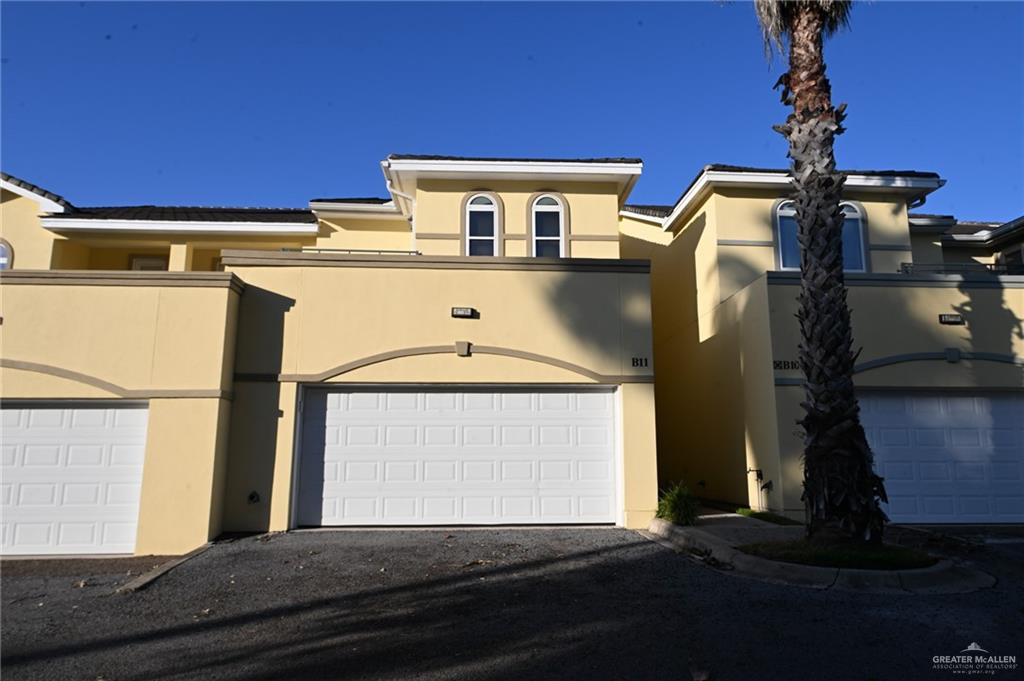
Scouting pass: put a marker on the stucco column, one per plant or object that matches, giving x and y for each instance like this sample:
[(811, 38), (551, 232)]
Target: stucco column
[(281, 501), (180, 259), (183, 473)]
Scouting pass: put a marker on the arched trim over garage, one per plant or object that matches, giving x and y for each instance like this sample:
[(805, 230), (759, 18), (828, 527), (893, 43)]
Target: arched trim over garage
[(445, 349), (107, 386), (951, 355)]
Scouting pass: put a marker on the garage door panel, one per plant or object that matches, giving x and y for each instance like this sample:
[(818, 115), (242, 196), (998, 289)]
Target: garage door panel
[(72, 478), (962, 459), (447, 457)]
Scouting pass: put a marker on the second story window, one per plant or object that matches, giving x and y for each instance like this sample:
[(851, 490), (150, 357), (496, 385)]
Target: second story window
[(6, 255), (148, 263), (548, 227), (789, 248), (481, 227)]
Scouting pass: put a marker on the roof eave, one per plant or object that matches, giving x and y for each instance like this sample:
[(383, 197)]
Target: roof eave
[(403, 174), (55, 224), (653, 219), (987, 238), (365, 211), (912, 186), (46, 204)]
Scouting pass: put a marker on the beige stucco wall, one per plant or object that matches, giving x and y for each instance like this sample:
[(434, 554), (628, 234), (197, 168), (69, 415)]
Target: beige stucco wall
[(20, 226), (968, 256), (188, 253), (746, 215), (719, 327), (711, 383), (164, 340), (592, 210), (927, 249), (305, 323), (892, 321), (347, 233)]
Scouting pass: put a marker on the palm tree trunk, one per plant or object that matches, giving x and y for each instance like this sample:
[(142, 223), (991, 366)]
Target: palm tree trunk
[(841, 490)]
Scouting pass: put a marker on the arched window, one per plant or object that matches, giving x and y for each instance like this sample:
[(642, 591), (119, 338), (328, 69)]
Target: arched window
[(481, 226), (548, 223), (789, 248), (6, 255)]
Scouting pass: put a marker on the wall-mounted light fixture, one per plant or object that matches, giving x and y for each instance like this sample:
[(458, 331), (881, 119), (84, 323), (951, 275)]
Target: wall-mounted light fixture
[(465, 313)]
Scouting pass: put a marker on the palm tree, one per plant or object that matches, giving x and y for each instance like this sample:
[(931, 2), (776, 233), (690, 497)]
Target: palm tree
[(841, 491)]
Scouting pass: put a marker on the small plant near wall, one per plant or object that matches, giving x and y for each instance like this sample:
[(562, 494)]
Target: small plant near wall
[(677, 505)]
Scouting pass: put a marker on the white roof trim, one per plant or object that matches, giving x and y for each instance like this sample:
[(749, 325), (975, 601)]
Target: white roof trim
[(932, 220), (982, 235), (45, 204), (365, 211), (514, 167), (640, 216), (708, 178), (352, 207), (178, 226), (402, 174)]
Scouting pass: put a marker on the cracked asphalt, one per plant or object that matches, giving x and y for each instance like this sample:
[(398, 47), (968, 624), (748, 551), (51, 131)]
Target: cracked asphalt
[(556, 603)]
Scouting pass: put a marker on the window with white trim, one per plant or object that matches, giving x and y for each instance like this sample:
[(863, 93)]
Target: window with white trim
[(548, 227), (481, 226), (789, 247), (6, 255)]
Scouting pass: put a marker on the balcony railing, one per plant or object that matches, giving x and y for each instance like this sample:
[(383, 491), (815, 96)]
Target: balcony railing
[(960, 268)]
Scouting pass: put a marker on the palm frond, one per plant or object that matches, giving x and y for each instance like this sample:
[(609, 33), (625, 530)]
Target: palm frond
[(774, 16)]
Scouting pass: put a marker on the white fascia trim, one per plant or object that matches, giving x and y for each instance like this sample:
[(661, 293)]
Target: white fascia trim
[(767, 179), (627, 189), (981, 237), (377, 211), (405, 202), (178, 226), (687, 200), (349, 207), (519, 167), (943, 221), (45, 204), (639, 216)]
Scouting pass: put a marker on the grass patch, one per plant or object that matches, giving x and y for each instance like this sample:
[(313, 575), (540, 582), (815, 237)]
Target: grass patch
[(767, 517), (677, 505), (841, 554)]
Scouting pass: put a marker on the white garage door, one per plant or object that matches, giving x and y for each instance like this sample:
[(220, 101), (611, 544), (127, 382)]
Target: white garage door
[(948, 457), (71, 478), (457, 457)]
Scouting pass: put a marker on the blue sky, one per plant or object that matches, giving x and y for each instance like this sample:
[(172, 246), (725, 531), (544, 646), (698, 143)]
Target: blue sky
[(271, 104)]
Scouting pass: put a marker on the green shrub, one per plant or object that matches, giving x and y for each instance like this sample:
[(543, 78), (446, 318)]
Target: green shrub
[(677, 505)]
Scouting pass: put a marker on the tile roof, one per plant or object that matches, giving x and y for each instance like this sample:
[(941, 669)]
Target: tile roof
[(431, 157), (36, 189), (190, 214), (655, 211)]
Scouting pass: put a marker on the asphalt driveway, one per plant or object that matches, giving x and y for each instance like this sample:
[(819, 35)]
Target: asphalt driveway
[(583, 603)]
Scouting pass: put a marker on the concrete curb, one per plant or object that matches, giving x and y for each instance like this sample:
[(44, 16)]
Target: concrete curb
[(147, 578), (945, 577)]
